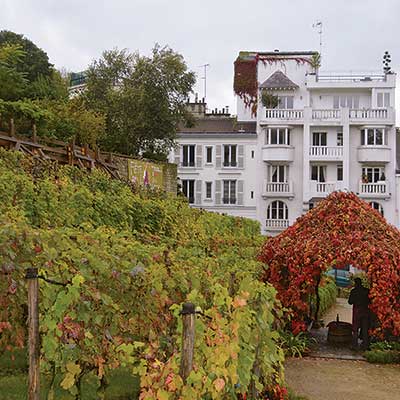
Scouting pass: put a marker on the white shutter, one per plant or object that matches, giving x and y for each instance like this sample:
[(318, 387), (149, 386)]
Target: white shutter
[(177, 158), (198, 192), (241, 156), (199, 156), (240, 190), (218, 158), (218, 192)]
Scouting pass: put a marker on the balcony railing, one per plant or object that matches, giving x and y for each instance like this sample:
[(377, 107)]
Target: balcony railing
[(276, 224), (319, 189), (372, 113), (334, 114), (326, 151), (289, 114), (278, 188), (374, 189)]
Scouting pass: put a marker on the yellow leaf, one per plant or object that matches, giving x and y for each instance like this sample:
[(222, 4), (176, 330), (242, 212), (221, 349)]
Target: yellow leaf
[(73, 368), (162, 395), (68, 381)]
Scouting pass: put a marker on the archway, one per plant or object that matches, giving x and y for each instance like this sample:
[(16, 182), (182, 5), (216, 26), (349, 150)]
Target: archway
[(341, 230)]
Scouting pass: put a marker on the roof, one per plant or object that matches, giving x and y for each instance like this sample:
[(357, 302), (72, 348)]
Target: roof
[(278, 81), (253, 54), (220, 126)]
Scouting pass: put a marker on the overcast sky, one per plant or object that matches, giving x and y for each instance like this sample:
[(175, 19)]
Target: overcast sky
[(74, 32)]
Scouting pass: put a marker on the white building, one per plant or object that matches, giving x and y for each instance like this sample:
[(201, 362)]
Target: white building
[(326, 133)]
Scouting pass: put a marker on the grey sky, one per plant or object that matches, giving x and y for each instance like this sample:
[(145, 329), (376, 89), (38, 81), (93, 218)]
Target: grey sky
[(73, 33)]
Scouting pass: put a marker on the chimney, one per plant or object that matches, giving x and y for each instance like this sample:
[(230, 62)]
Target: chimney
[(227, 109)]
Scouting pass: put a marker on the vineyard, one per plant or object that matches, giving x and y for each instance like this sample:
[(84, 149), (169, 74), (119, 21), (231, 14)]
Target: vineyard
[(124, 264)]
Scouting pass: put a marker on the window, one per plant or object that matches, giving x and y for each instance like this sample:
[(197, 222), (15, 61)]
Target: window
[(318, 173), (188, 155), (278, 136), (277, 173), (188, 189), (339, 171), (208, 190), (229, 196), (383, 100), (373, 137), (339, 139), (285, 102), (319, 138), (376, 206), (252, 154), (373, 174), (346, 101), (230, 152), (209, 155), (252, 195), (277, 210)]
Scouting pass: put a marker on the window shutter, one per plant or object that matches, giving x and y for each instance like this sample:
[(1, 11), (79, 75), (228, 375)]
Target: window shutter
[(177, 158), (241, 156), (198, 191), (240, 187), (199, 156), (218, 192), (218, 160)]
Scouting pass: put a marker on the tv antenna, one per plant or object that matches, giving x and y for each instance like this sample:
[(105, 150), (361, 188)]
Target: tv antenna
[(205, 66), (318, 25)]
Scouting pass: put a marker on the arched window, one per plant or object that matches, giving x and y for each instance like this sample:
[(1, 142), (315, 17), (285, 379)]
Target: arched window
[(376, 206), (277, 210)]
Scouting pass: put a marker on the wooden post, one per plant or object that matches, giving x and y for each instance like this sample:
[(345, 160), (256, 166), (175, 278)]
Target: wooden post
[(33, 329), (12, 127), (34, 132), (188, 316)]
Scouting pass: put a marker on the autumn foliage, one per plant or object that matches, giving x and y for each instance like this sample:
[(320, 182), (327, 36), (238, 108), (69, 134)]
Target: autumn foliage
[(341, 230)]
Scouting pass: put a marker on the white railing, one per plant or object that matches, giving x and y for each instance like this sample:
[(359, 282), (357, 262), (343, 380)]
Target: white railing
[(326, 114), (277, 187), (374, 188), (289, 114), (326, 151), (372, 113), (324, 188), (277, 223)]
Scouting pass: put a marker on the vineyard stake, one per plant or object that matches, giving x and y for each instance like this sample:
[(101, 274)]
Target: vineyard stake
[(188, 318), (33, 329)]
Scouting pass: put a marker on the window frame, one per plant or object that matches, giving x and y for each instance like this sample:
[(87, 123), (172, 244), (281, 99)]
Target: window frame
[(187, 185), (278, 134), (209, 194), (187, 155), (378, 207), (277, 208), (319, 136), (209, 148), (373, 173), (319, 169), (229, 191), (230, 163), (371, 133)]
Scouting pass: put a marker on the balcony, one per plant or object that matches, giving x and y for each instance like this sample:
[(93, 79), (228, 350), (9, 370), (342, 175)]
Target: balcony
[(326, 153), (276, 224), (323, 189), (278, 152), (374, 190), (372, 116), (278, 189), (328, 115), (280, 115), (367, 154)]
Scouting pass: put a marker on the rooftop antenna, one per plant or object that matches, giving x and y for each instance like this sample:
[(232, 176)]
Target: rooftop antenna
[(205, 66), (318, 25)]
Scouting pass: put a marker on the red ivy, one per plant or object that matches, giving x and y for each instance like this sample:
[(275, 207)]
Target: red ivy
[(341, 230)]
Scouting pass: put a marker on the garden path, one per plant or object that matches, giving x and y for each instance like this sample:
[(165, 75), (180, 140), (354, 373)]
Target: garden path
[(328, 379)]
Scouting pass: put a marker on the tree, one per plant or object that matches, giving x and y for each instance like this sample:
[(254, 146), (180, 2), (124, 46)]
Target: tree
[(35, 63), (142, 97), (13, 82)]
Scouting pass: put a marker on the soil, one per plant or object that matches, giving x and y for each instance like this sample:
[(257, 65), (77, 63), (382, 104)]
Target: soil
[(329, 379)]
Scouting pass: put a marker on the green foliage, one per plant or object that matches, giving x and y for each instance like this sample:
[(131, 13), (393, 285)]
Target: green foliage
[(382, 356), (327, 295), (295, 345), (142, 97), (269, 100), (129, 261)]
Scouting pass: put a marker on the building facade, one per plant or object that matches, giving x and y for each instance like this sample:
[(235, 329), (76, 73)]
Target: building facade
[(309, 134)]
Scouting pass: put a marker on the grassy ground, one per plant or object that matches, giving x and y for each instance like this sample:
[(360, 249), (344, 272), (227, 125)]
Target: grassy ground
[(13, 383)]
